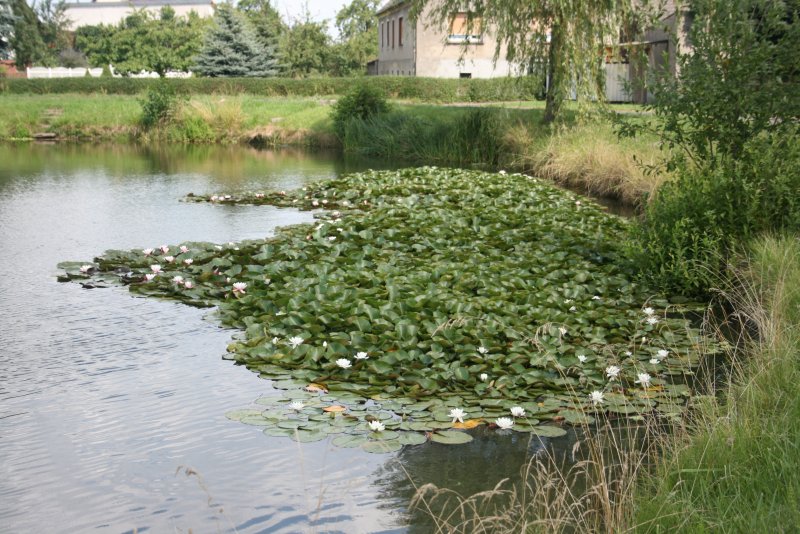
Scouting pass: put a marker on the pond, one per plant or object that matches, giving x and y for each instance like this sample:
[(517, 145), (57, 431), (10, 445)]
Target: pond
[(106, 400)]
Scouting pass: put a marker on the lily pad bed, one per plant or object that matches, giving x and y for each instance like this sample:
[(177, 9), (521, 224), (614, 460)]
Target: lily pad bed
[(425, 290)]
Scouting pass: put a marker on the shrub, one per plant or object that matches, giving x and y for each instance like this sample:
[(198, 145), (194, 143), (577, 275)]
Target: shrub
[(697, 221), (361, 103), (159, 105)]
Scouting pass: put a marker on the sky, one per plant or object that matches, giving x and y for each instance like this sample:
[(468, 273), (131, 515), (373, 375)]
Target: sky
[(319, 9)]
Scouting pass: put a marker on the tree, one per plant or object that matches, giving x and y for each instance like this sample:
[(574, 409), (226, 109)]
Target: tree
[(305, 48), (144, 41), (53, 26), (7, 21), (358, 37), (232, 48), (29, 47), (265, 19), (561, 39)]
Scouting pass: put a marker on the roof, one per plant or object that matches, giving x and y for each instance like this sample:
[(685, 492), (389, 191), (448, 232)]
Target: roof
[(391, 4)]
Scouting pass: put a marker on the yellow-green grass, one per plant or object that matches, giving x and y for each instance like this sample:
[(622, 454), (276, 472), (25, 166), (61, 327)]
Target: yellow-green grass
[(738, 469)]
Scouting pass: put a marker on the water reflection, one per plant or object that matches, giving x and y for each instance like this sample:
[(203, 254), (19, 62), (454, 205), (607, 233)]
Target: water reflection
[(103, 397)]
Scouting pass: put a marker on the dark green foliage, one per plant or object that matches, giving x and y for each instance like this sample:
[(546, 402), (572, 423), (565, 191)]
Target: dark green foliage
[(159, 105), (424, 89), (730, 121), (265, 19), (361, 103), (232, 48), (143, 41), (474, 138), (358, 37), (29, 47), (699, 219), (305, 49)]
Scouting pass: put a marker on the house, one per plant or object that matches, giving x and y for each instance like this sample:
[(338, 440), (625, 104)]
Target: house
[(409, 47), (90, 13)]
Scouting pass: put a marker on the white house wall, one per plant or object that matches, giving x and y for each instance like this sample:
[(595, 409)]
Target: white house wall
[(93, 13)]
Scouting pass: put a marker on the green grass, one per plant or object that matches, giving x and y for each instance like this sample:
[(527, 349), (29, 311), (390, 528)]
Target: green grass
[(739, 469)]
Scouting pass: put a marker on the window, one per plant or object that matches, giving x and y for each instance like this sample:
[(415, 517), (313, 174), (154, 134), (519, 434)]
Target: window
[(465, 28), (383, 33), (393, 26), (400, 31)]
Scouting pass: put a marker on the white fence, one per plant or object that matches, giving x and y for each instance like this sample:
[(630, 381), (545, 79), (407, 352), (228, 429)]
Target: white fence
[(62, 72)]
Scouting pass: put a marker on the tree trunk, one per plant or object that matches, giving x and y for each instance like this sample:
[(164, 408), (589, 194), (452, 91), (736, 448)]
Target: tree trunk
[(554, 98)]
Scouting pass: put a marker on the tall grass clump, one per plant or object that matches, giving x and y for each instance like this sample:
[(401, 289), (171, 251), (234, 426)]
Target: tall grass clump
[(738, 469), (360, 104), (472, 138)]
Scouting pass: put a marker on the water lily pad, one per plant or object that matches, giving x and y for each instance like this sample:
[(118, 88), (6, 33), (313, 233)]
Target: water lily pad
[(238, 415), (307, 436), (350, 440), (549, 431), (412, 438), (382, 447), (450, 437)]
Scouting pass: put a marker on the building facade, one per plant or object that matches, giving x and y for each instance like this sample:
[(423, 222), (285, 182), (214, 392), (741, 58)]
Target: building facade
[(458, 48), (96, 12)]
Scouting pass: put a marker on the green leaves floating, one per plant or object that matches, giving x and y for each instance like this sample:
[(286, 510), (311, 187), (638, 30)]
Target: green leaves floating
[(459, 289)]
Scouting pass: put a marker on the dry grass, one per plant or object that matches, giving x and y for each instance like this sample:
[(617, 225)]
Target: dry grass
[(590, 157)]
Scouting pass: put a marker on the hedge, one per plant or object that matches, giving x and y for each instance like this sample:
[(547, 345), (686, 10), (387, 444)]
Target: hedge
[(425, 89)]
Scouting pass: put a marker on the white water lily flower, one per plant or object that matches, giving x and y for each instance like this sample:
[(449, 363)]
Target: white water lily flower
[(148, 251), (214, 198), (502, 173), (169, 259), (484, 377), (652, 319), (361, 355), (344, 363), (655, 361), (644, 379), (315, 203), (483, 350), (568, 301), (184, 249), (457, 414), (295, 341), (573, 309), (164, 249), (332, 238), (188, 261), (325, 344), (267, 281), (259, 195), (596, 297), (149, 277), (504, 423), (85, 268), (155, 268), (663, 353), (320, 225), (518, 411), (218, 247), (324, 201), (649, 311), (340, 229), (227, 197), (297, 405), (178, 279), (597, 397), (188, 284), (628, 353), (275, 340), (239, 287), (577, 202), (582, 358), (562, 331), (376, 426), (612, 371)]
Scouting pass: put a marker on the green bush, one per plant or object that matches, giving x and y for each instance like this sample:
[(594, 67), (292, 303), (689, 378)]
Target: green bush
[(159, 105), (402, 87), (698, 220), (361, 103)]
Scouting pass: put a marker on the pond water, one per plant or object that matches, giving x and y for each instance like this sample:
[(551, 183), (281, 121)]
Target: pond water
[(107, 399)]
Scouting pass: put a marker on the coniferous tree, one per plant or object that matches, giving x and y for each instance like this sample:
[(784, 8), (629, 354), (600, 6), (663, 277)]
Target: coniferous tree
[(27, 42), (232, 48), (7, 20)]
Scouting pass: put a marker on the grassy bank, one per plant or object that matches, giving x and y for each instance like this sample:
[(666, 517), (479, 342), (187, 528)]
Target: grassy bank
[(738, 470), (584, 156)]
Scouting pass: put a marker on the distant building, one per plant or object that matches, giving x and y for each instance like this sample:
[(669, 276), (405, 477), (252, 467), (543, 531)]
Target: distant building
[(96, 12), (411, 48)]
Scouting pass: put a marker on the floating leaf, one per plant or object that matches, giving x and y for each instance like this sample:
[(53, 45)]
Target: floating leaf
[(382, 447), (549, 431), (450, 437), (468, 424), (350, 440)]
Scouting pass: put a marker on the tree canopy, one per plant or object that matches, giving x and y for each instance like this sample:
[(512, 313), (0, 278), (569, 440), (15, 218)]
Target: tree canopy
[(144, 41), (358, 37), (306, 48), (7, 20), (232, 48)]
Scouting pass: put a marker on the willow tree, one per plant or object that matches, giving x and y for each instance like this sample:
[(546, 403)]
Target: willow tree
[(562, 39)]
